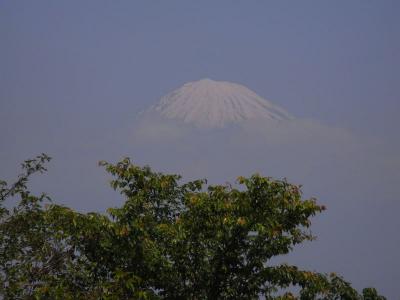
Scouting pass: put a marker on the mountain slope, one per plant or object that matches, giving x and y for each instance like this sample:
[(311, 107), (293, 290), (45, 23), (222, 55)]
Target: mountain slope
[(209, 103)]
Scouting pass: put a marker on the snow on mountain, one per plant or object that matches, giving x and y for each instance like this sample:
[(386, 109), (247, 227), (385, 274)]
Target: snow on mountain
[(209, 103)]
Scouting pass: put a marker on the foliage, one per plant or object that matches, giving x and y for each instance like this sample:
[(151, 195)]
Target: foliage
[(168, 241)]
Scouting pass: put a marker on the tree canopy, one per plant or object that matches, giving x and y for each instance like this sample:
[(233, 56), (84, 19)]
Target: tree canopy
[(169, 240)]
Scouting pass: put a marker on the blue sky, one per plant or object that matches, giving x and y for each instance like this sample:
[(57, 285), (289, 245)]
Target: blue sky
[(74, 74), (337, 62)]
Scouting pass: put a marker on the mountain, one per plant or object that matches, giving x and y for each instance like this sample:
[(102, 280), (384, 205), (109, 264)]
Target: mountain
[(210, 103)]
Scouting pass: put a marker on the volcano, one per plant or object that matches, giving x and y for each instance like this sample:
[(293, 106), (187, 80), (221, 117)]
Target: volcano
[(209, 103)]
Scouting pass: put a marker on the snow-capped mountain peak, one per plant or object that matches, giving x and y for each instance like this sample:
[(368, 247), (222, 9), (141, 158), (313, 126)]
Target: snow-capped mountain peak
[(210, 103)]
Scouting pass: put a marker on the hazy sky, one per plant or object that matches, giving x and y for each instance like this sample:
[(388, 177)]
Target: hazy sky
[(74, 74)]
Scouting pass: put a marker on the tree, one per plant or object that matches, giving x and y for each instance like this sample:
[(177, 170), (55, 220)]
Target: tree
[(170, 240)]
